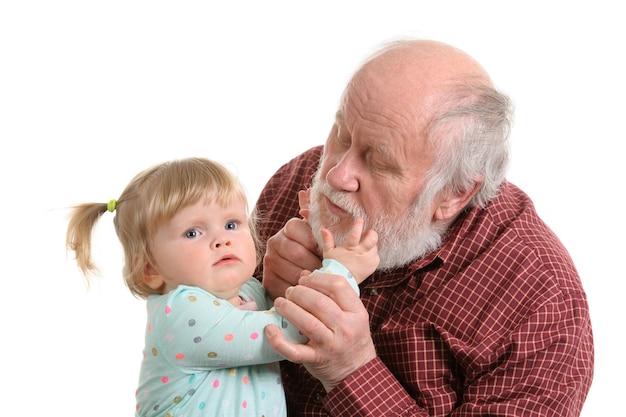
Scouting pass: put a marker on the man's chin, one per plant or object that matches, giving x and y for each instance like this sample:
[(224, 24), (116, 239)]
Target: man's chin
[(336, 225)]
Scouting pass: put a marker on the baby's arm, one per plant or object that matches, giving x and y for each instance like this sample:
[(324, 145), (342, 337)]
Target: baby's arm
[(200, 331)]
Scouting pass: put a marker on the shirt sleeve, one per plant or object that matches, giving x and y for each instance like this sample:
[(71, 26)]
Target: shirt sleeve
[(372, 391), (204, 332), (531, 374), (539, 366)]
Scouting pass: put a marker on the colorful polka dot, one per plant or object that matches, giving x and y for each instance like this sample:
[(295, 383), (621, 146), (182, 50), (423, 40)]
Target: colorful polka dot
[(192, 298), (216, 383), (191, 322), (244, 404), (197, 339), (155, 352), (180, 356), (216, 303), (245, 380), (229, 337), (165, 380), (168, 309), (254, 336), (212, 355)]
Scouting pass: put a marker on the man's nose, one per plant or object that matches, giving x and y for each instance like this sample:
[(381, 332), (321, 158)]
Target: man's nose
[(343, 176)]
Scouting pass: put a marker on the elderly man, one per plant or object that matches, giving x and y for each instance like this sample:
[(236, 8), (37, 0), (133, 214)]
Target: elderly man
[(476, 308)]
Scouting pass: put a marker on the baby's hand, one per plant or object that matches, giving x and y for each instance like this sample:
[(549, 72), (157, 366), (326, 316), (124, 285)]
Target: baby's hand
[(359, 252)]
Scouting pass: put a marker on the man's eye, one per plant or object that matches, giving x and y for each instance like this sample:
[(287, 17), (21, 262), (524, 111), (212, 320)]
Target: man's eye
[(231, 225), (190, 234)]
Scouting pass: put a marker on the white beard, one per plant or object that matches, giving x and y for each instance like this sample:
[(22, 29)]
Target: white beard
[(400, 240)]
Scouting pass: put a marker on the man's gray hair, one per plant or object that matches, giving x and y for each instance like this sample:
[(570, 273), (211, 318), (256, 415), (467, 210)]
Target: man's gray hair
[(469, 134)]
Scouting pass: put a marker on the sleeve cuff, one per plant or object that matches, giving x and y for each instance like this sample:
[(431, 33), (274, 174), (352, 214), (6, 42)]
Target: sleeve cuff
[(331, 266), (371, 391)]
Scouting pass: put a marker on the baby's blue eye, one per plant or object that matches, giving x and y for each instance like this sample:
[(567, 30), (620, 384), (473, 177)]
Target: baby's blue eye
[(191, 233), (231, 225)]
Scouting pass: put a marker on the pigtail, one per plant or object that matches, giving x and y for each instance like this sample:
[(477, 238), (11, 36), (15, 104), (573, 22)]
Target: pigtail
[(82, 220)]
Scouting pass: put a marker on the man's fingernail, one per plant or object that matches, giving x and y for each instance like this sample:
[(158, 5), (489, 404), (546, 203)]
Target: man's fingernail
[(288, 291)]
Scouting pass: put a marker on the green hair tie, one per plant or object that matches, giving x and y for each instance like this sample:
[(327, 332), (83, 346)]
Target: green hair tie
[(111, 205)]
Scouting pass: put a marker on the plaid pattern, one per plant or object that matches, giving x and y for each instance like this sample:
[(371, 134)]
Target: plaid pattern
[(493, 323)]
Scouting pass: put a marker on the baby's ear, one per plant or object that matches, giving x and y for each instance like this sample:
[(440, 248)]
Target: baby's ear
[(152, 277)]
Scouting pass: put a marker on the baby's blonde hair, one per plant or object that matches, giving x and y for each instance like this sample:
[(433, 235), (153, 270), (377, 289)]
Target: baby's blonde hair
[(152, 198)]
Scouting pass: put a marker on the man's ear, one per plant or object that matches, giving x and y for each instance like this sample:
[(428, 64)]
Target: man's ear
[(450, 206), (152, 277)]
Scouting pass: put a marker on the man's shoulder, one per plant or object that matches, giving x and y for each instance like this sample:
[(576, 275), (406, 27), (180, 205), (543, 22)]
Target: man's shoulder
[(280, 194), (520, 232), (306, 163)]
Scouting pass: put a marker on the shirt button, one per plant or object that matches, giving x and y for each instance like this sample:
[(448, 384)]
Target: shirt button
[(372, 291), (319, 398)]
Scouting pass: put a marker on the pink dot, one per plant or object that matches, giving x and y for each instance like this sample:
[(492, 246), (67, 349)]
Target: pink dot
[(168, 309), (244, 404), (180, 356), (216, 383), (229, 337), (254, 336), (165, 379)]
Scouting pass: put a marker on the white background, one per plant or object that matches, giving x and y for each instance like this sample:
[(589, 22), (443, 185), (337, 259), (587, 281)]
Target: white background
[(93, 92)]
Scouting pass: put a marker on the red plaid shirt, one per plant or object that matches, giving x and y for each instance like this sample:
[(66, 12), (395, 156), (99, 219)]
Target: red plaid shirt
[(494, 322)]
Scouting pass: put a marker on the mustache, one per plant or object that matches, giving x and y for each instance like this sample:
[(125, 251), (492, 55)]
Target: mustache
[(339, 198)]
